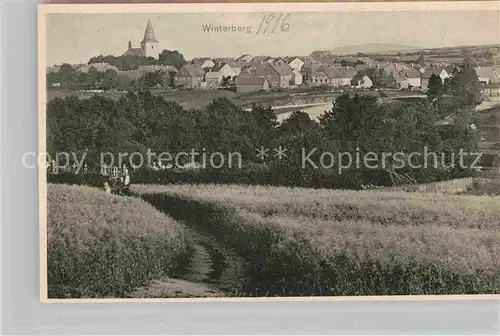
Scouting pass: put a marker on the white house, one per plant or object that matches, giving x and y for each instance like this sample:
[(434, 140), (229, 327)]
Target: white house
[(237, 66), (296, 64), (208, 64), (297, 77), (440, 72), (362, 81), (227, 71), (412, 76), (212, 79), (486, 74)]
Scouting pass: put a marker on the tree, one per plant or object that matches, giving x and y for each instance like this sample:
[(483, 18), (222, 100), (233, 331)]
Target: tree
[(464, 86), (65, 73), (110, 80), (435, 87), (171, 57), (153, 79)]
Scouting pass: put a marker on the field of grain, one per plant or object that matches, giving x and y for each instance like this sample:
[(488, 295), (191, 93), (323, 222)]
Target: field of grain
[(454, 186), (331, 242), (100, 245)]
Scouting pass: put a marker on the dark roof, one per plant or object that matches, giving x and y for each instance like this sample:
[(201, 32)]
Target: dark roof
[(429, 72), (238, 64), (133, 52), (193, 70), (260, 58), (282, 69), (250, 80), (397, 77), (410, 73)]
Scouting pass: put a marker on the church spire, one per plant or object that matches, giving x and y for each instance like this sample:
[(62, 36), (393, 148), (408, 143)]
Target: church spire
[(149, 34)]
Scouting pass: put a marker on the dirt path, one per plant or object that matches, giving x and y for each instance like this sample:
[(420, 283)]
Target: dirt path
[(212, 271)]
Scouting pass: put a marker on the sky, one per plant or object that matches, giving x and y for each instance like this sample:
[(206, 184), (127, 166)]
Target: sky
[(75, 38)]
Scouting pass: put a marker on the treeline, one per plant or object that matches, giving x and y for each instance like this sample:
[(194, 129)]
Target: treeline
[(131, 62), (358, 125), (70, 79)]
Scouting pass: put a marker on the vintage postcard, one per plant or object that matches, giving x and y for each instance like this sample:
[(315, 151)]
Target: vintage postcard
[(254, 150)]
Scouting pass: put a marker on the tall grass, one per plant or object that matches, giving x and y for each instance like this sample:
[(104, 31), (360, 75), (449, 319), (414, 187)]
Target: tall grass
[(453, 186), (104, 246), (326, 242)]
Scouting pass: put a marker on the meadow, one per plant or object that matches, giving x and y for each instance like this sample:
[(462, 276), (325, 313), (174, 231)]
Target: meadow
[(99, 245), (332, 242)]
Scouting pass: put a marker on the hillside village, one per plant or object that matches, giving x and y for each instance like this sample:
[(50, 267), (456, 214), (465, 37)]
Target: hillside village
[(248, 73)]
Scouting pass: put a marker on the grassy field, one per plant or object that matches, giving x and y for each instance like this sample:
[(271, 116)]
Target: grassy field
[(105, 246), (331, 242), (454, 186)]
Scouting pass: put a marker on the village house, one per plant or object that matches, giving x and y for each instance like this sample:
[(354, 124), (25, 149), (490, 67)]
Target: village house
[(392, 68), (208, 64), (345, 75), (332, 76), (284, 72), (277, 74), (440, 72), (321, 76), (204, 63), (236, 66), (486, 74), (361, 81), (154, 67), (168, 72), (251, 84), (491, 90), (297, 79), (226, 71), (296, 64), (245, 58), (189, 77), (260, 59), (412, 76), (400, 82), (213, 79)]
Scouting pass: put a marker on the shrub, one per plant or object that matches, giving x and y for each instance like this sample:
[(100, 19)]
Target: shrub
[(100, 245)]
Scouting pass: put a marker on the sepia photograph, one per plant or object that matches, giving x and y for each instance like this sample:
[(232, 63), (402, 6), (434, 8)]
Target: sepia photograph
[(268, 150)]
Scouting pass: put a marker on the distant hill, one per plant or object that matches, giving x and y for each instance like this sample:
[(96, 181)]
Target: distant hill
[(372, 48)]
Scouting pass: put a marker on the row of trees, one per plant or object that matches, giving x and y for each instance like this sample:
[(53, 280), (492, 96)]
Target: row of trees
[(110, 79), (132, 62), (355, 124)]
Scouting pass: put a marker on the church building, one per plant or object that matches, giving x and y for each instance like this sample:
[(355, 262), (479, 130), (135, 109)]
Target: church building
[(149, 44)]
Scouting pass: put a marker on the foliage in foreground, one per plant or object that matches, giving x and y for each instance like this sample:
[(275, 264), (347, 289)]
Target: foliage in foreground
[(100, 245), (321, 242)]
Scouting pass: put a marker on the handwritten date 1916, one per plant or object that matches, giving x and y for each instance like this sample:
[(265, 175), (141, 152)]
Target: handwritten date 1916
[(270, 22)]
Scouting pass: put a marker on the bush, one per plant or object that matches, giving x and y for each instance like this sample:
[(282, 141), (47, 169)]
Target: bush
[(100, 245)]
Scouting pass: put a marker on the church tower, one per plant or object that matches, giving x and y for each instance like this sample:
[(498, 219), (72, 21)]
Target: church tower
[(150, 45)]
